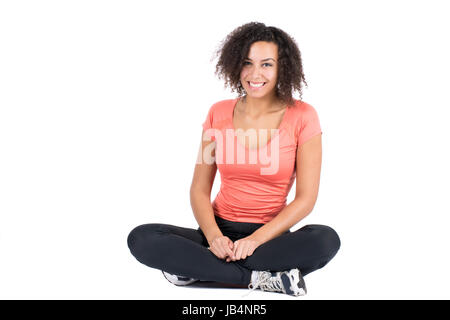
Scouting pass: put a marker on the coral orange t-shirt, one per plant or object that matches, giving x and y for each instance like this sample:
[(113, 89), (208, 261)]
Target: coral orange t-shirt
[(255, 182)]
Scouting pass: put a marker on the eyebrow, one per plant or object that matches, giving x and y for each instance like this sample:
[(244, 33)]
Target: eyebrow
[(261, 60)]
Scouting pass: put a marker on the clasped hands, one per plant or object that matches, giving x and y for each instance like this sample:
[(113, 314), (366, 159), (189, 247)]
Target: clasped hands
[(224, 248)]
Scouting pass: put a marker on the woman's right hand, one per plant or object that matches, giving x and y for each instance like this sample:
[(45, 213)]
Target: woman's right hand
[(222, 247)]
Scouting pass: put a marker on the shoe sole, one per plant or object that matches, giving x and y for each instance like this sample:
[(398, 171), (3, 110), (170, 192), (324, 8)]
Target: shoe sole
[(183, 281)]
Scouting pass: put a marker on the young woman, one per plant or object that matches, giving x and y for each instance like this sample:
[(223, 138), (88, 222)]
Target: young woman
[(244, 235)]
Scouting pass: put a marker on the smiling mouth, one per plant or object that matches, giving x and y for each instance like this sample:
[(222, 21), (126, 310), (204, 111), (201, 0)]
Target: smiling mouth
[(259, 85)]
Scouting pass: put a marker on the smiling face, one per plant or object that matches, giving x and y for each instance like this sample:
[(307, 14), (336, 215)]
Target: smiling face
[(260, 68)]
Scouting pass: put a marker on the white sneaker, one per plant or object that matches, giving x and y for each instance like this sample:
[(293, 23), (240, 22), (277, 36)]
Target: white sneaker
[(289, 282), (178, 280)]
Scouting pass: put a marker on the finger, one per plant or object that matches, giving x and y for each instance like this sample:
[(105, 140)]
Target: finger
[(230, 244), (235, 248), (230, 253), (223, 249), (217, 250), (223, 253), (228, 250), (239, 251), (244, 250), (248, 248)]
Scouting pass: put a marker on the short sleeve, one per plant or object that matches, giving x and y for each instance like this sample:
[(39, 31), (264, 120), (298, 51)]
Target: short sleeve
[(310, 125), (208, 123)]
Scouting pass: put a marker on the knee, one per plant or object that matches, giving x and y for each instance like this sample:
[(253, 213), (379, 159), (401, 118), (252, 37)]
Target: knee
[(144, 236), (327, 239)]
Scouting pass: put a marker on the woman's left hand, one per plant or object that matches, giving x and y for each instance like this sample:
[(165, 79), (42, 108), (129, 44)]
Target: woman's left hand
[(244, 248)]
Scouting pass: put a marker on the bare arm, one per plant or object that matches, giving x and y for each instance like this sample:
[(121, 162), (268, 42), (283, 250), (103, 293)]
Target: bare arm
[(200, 194), (309, 161)]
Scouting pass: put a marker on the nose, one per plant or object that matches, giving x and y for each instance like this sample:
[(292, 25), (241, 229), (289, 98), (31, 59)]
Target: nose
[(255, 74), (255, 69)]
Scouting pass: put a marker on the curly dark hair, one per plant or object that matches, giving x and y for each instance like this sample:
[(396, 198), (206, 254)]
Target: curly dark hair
[(235, 47)]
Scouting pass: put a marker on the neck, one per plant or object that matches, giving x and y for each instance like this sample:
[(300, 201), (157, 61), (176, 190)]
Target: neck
[(258, 106)]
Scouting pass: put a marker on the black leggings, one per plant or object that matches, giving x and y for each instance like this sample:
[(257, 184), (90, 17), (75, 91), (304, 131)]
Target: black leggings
[(184, 251)]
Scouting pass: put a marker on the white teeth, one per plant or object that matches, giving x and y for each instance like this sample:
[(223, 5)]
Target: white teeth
[(256, 85)]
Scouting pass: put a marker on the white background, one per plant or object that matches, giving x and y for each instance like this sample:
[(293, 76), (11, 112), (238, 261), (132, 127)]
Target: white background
[(101, 106)]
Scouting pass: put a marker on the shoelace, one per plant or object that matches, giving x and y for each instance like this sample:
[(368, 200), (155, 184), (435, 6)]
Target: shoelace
[(265, 282)]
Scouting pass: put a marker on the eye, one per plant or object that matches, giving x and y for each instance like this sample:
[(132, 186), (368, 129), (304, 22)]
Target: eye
[(247, 62)]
